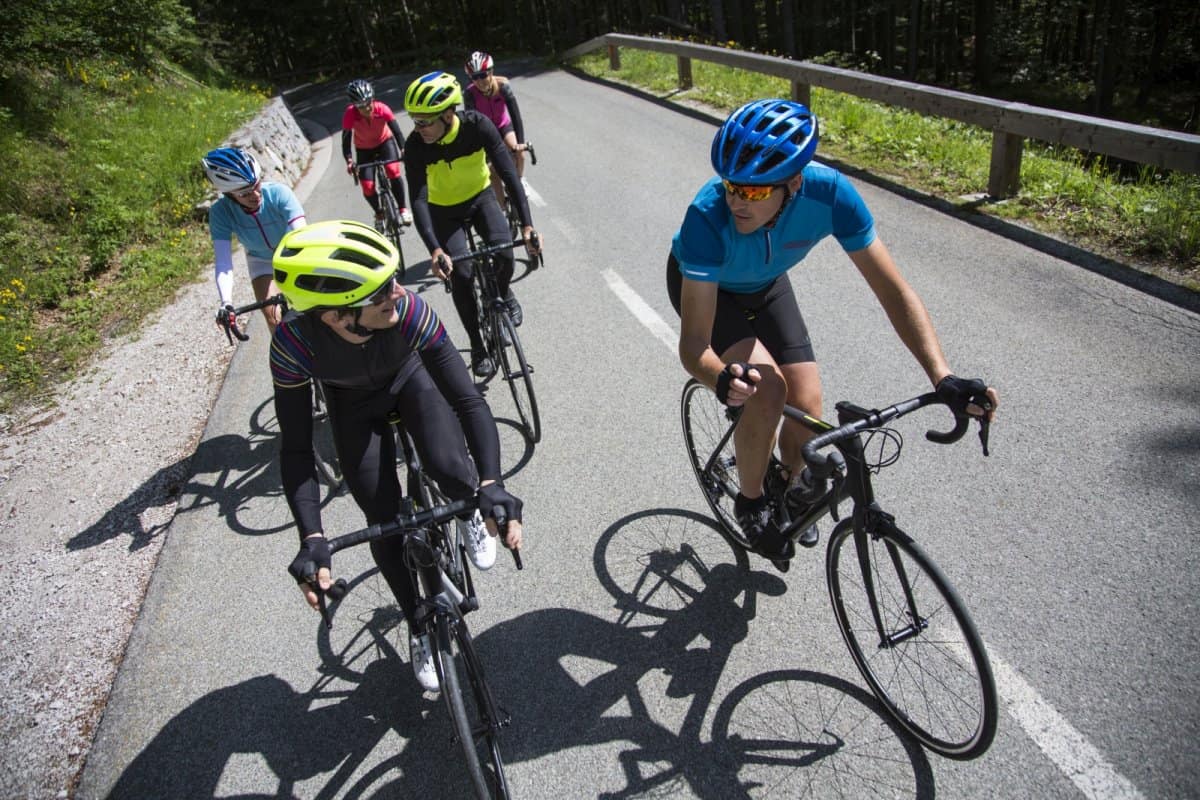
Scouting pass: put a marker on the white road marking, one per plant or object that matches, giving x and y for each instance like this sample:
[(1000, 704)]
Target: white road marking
[(644, 313), (532, 194), (1066, 747)]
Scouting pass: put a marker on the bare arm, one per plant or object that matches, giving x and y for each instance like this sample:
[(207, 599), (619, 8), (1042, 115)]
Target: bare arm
[(903, 307), (698, 309)]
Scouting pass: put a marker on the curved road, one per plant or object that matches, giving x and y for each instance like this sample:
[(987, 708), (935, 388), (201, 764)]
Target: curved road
[(1072, 543)]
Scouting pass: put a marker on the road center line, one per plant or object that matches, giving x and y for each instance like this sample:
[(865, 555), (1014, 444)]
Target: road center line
[(1066, 747)]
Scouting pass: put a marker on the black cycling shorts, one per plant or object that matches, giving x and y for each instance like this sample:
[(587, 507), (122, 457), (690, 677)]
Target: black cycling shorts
[(770, 315)]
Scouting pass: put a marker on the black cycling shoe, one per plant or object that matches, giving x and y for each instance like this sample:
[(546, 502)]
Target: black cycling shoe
[(481, 364), (810, 537), (515, 313), (754, 518)]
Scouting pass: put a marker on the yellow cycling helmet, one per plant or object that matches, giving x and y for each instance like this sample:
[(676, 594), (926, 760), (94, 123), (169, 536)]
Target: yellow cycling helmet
[(432, 93), (333, 264)]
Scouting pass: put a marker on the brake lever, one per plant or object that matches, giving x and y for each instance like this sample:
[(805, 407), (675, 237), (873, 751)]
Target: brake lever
[(984, 425)]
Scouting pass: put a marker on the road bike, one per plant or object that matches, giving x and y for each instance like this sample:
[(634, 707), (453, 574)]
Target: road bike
[(499, 334), (435, 552), (393, 226), (324, 450), (905, 626)]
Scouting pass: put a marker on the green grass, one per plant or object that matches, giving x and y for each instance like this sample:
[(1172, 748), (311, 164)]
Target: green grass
[(1151, 218), (96, 211)]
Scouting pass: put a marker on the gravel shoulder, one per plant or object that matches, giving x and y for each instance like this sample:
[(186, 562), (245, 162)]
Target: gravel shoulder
[(88, 490)]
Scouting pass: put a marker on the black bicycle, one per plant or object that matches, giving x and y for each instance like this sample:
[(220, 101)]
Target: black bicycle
[(434, 551), (905, 626), (500, 334), (324, 451), (393, 225)]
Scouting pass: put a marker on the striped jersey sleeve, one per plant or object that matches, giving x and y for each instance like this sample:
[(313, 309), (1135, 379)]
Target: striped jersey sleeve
[(420, 324), (291, 357)]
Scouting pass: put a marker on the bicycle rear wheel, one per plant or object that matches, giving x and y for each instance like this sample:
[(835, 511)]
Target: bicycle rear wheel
[(518, 374), (476, 719), (391, 215), (324, 450), (708, 437), (930, 671)]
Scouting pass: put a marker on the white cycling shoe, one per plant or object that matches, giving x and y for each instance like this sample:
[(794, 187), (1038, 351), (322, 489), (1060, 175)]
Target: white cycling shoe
[(481, 546), (421, 655)]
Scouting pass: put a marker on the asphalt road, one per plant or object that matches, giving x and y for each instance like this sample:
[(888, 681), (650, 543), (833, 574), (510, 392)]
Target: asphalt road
[(1072, 544)]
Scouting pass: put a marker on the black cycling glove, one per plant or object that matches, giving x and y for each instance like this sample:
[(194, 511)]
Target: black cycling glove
[(314, 554), (494, 495), (225, 316), (958, 393), (726, 377)]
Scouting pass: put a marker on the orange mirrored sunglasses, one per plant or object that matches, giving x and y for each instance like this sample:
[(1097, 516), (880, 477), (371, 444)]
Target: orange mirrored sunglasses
[(749, 193)]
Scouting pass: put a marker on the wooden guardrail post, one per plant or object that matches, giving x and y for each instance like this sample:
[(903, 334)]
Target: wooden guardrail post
[(1004, 177), (614, 57), (802, 93), (684, 66)]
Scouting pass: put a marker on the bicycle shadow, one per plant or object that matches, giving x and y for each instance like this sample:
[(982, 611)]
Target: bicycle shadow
[(684, 600), (229, 471)]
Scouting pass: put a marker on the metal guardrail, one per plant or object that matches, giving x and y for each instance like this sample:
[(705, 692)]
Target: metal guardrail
[(1010, 123)]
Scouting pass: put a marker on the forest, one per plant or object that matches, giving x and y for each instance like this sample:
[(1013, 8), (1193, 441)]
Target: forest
[(1135, 60)]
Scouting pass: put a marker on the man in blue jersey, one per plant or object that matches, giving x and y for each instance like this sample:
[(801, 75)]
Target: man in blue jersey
[(258, 213), (741, 329)]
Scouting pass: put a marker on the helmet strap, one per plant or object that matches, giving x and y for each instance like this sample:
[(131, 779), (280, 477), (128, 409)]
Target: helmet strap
[(359, 330)]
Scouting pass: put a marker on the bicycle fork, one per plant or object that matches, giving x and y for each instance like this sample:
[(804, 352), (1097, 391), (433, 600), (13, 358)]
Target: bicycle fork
[(871, 522)]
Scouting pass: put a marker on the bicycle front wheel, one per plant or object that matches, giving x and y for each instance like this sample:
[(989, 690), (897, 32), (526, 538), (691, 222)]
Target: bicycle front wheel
[(477, 721), (708, 437), (519, 376), (929, 668)]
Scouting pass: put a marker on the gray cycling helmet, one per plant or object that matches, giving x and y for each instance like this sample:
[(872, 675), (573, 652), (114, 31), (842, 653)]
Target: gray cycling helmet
[(360, 91)]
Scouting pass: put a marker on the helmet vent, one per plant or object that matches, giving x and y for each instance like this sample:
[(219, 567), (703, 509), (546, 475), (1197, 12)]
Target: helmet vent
[(355, 257), (325, 284)]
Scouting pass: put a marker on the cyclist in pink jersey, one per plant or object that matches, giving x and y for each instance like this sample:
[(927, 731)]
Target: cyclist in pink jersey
[(372, 128), (492, 96)]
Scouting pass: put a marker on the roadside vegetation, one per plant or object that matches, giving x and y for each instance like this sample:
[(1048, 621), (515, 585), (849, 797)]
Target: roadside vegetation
[(97, 197), (1142, 216)]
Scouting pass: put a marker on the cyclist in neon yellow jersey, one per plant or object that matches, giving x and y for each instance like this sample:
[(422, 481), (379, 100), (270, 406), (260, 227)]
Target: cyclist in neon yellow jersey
[(446, 157)]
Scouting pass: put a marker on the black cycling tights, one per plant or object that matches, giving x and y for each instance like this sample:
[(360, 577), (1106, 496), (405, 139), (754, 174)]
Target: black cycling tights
[(367, 450), (484, 215)]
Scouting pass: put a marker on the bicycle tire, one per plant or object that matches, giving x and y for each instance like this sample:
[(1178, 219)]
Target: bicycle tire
[(324, 449), (391, 215), (936, 682), (704, 428), (472, 710), (518, 375)]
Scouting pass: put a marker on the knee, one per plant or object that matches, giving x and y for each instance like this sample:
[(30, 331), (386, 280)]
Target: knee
[(771, 389)]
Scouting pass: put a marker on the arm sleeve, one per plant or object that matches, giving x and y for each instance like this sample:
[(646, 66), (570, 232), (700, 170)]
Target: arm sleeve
[(293, 411), (347, 134), (510, 99), (418, 192), (394, 127), (469, 99), (223, 269), (502, 160), (449, 372)]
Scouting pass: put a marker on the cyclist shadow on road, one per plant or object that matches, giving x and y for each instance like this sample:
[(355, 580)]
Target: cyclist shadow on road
[(264, 734), (653, 677), (228, 471)]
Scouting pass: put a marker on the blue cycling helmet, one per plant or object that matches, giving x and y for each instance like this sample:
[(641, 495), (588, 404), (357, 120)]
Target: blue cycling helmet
[(231, 169), (765, 142)]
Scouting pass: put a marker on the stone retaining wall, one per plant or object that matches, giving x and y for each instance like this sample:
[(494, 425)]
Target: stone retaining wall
[(277, 142)]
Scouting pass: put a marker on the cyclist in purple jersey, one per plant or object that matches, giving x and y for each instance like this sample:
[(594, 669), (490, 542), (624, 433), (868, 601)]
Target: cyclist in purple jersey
[(377, 350), (492, 95), (255, 211), (741, 329)]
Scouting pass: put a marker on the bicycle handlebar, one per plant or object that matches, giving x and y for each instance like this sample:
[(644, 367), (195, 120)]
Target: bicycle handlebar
[(228, 321), (528, 148), (370, 165), (491, 250), (824, 464)]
